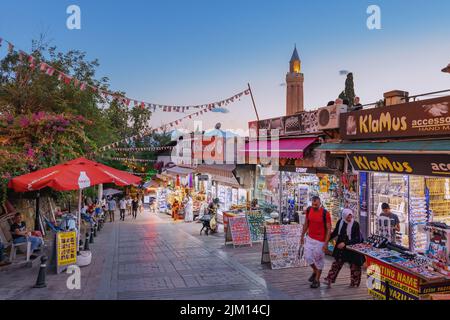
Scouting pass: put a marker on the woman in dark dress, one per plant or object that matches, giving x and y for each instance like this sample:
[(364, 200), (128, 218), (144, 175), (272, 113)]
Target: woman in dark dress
[(347, 232)]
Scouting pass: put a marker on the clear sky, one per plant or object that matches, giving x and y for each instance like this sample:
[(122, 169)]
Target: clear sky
[(198, 51)]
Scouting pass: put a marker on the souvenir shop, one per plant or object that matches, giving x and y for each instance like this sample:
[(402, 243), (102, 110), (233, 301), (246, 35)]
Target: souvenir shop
[(415, 199), (412, 176), (267, 186), (177, 182), (299, 186), (220, 182)]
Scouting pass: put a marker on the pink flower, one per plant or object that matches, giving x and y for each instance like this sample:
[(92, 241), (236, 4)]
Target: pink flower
[(30, 152), (6, 175), (38, 116), (24, 122)]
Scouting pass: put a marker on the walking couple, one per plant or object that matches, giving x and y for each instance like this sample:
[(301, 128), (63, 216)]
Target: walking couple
[(316, 235)]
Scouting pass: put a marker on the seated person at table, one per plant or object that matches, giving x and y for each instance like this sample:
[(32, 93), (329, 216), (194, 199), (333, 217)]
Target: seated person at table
[(20, 234)]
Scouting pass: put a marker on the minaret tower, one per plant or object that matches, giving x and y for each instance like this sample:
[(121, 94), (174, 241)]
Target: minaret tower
[(294, 85)]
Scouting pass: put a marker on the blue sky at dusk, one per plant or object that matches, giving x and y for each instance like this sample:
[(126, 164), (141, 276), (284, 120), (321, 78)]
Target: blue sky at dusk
[(199, 51)]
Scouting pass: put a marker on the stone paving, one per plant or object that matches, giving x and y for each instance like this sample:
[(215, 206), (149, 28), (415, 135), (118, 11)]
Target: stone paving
[(155, 258)]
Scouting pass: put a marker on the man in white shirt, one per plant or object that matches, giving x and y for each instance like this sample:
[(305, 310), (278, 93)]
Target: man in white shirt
[(122, 207)]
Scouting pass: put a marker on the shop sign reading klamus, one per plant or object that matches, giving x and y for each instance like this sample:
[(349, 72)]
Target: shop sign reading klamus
[(420, 118), (415, 164)]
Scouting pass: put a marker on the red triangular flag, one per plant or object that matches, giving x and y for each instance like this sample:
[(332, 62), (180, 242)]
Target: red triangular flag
[(50, 71), (43, 66)]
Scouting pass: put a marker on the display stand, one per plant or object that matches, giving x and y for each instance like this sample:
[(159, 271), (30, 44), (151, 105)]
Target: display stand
[(390, 281), (281, 246), (256, 222), (238, 231)]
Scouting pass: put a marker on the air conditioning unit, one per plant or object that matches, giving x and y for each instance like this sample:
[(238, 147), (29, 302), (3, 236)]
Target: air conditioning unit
[(329, 116)]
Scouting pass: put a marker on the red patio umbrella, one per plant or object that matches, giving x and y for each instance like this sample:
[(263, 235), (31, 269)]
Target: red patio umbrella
[(73, 175)]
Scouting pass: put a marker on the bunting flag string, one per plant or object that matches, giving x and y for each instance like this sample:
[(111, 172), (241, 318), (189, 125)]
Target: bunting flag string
[(163, 148), (67, 79), (128, 159), (148, 131)]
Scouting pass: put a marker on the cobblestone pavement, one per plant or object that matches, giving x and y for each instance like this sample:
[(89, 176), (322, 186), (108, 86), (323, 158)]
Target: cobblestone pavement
[(155, 258)]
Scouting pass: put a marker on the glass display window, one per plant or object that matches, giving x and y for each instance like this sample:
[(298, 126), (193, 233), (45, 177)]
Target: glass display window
[(242, 196), (439, 199), (299, 188), (418, 213), (267, 190), (393, 190)]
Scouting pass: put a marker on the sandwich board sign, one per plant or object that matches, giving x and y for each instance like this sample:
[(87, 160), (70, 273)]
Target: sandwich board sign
[(281, 246), (239, 231)]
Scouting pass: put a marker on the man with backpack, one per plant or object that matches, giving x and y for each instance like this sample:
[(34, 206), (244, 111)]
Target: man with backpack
[(317, 228)]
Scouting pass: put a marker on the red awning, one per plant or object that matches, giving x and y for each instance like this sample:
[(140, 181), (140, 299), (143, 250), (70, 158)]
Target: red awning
[(286, 148)]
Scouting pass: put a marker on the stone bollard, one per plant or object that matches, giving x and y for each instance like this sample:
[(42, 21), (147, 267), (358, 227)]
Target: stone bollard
[(40, 282), (86, 242)]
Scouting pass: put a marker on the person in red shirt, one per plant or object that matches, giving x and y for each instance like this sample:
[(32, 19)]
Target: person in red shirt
[(317, 228)]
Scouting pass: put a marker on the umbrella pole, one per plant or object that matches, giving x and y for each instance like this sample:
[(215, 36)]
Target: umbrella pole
[(37, 219), (80, 194)]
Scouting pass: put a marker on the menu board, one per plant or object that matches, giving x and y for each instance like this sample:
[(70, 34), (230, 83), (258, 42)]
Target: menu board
[(256, 222), (66, 249), (240, 231), (283, 245)]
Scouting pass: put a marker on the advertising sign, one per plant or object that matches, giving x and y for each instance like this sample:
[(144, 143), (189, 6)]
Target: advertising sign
[(240, 231), (391, 283), (416, 164), (256, 222), (66, 249), (420, 118), (282, 245)]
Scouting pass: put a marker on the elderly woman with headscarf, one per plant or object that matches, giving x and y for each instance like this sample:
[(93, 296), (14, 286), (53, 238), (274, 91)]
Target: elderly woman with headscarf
[(347, 233)]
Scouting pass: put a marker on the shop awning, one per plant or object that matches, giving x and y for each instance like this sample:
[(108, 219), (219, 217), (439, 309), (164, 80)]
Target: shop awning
[(285, 148), (227, 181), (222, 173), (225, 170), (179, 171), (400, 147)]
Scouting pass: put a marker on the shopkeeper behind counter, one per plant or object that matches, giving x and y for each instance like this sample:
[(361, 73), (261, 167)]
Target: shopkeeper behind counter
[(395, 221)]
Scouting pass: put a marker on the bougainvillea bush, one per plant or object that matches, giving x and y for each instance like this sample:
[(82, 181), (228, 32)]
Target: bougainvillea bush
[(39, 140)]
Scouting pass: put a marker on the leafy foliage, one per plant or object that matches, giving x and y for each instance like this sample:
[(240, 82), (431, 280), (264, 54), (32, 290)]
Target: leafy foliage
[(44, 121)]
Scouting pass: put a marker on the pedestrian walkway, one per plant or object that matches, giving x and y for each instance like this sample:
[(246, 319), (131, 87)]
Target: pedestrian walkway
[(153, 257)]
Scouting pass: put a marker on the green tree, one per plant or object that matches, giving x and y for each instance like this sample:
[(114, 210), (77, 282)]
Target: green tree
[(349, 91)]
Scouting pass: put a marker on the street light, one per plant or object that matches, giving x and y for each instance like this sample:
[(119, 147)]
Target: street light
[(446, 69)]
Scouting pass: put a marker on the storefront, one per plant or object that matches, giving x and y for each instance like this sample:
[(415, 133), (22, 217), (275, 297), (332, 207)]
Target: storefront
[(302, 173), (412, 176), (267, 187), (401, 153), (220, 181), (177, 182)]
